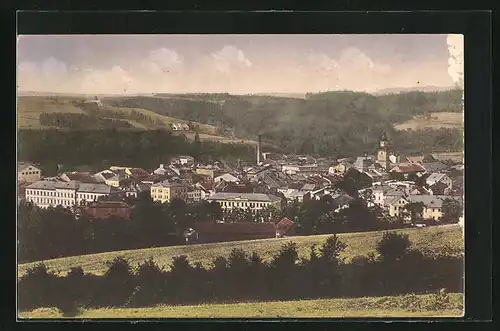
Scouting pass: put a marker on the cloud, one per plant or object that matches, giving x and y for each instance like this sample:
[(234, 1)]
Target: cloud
[(230, 57), (51, 72), (162, 60), (322, 61), (111, 80), (353, 58), (456, 58)]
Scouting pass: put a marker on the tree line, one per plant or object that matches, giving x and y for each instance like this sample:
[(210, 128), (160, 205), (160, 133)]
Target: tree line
[(104, 111), (54, 232), (81, 121), (99, 149), (394, 269)]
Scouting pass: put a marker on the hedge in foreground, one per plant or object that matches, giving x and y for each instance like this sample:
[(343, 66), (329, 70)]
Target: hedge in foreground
[(243, 277)]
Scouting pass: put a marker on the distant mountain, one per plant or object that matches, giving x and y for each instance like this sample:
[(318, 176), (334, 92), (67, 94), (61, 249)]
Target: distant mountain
[(428, 88), (283, 95)]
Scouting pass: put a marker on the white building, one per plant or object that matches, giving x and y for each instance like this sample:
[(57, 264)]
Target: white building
[(227, 178), (28, 173), (46, 194), (253, 201)]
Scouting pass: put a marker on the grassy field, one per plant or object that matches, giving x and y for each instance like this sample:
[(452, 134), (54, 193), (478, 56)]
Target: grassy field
[(446, 240), (29, 109), (437, 120), (396, 306)]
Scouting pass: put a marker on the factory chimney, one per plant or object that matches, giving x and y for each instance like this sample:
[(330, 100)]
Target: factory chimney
[(259, 146)]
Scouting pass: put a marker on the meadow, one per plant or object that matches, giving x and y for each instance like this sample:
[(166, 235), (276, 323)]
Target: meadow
[(424, 305), (445, 240), (29, 109), (437, 120)]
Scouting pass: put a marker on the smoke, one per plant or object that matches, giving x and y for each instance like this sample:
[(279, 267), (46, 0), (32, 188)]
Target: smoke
[(456, 58)]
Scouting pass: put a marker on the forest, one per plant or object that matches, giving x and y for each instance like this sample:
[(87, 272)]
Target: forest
[(333, 123), (98, 149)]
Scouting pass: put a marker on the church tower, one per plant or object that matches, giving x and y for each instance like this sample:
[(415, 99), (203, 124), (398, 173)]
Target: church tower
[(383, 151)]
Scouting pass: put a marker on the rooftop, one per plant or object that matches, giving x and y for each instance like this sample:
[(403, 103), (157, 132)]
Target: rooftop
[(244, 196)]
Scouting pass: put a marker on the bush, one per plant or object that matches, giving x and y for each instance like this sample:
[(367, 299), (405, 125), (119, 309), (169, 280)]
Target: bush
[(393, 245), (115, 287), (36, 288), (151, 281), (286, 257), (331, 249)]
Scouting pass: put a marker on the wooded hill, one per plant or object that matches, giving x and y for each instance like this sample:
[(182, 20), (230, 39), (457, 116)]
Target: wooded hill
[(340, 123)]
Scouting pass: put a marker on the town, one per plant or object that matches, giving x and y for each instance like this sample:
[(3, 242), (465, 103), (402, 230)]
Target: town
[(384, 180)]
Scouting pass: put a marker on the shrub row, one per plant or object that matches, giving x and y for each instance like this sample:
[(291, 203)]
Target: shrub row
[(244, 277)]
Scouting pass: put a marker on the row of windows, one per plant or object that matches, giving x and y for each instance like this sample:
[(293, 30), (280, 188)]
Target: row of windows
[(243, 204), (63, 194), (160, 196), (50, 193), (52, 201), (88, 196), (31, 173)]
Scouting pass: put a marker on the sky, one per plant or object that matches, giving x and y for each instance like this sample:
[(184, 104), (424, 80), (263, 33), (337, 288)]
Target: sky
[(236, 64)]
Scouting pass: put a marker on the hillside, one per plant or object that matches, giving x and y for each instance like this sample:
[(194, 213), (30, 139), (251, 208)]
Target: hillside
[(433, 121), (447, 240), (339, 124), (342, 123), (29, 109)]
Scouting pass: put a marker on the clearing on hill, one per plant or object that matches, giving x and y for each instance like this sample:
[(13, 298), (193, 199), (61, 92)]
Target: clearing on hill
[(433, 121)]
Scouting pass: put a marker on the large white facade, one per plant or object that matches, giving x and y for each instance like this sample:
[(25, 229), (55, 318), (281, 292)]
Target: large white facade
[(46, 194)]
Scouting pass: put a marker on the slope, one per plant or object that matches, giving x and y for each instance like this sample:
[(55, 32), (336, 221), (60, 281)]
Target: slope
[(446, 240)]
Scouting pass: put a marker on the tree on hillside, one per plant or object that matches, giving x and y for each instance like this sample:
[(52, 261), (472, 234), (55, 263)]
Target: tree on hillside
[(393, 245)]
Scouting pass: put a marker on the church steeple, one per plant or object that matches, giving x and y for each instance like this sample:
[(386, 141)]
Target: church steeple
[(383, 152)]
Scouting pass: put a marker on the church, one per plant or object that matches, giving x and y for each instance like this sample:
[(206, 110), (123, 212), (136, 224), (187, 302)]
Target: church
[(386, 157)]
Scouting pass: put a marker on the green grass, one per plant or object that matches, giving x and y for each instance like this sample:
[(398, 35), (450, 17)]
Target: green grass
[(433, 240), (29, 109), (395, 306), (439, 120)]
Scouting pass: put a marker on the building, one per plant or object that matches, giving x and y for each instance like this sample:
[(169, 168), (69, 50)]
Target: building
[(193, 195), (227, 177), (46, 194), (339, 168), (439, 183), (396, 205), (179, 127), (83, 177), (107, 209), (383, 152), (117, 180), (433, 204), (28, 173), (434, 166), (254, 201), (134, 190), (183, 160), (363, 163), (86, 192), (285, 227), (407, 170), (167, 191), (104, 175)]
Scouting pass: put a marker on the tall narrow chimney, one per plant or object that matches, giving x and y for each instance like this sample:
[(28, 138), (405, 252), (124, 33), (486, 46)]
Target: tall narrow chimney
[(259, 141)]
